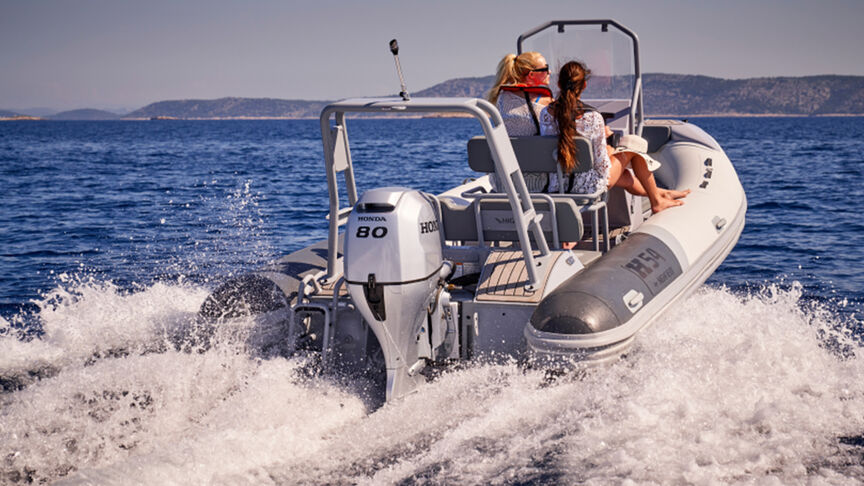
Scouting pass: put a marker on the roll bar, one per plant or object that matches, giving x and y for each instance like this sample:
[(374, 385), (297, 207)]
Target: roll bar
[(337, 158)]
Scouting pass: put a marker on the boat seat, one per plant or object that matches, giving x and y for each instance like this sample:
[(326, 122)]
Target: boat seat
[(460, 219), (457, 219), (538, 154), (656, 134)]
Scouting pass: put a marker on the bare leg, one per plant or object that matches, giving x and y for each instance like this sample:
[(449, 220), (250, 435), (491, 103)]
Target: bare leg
[(644, 185), (619, 176), (633, 186), (630, 184), (659, 200)]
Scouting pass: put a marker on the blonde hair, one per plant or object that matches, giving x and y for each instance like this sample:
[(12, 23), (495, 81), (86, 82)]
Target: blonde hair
[(512, 69)]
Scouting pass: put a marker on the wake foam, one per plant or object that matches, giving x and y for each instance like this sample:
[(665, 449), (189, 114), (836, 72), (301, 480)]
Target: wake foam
[(81, 321), (763, 387)]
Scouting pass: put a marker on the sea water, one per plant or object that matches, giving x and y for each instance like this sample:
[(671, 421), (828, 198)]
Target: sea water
[(113, 233)]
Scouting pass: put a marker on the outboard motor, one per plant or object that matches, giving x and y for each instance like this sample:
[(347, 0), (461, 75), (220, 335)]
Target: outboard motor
[(392, 268)]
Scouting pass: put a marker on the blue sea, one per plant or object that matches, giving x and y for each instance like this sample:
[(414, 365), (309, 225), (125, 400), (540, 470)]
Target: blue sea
[(113, 233)]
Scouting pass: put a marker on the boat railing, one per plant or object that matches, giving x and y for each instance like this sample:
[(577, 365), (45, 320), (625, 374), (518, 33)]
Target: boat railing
[(337, 159)]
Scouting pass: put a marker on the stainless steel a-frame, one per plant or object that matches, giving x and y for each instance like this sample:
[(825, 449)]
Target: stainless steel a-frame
[(337, 158)]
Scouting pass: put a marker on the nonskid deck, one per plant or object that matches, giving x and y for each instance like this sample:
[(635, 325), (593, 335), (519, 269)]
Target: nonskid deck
[(505, 279)]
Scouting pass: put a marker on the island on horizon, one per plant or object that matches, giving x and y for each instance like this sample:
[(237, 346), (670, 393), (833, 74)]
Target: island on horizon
[(666, 95)]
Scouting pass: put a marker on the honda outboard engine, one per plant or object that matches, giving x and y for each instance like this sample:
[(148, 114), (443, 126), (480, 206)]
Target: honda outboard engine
[(392, 266)]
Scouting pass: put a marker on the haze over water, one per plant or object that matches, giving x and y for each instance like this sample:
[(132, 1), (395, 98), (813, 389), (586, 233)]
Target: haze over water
[(114, 232)]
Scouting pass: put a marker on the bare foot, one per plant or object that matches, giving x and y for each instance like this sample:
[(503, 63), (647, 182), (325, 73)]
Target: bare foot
[(670, 194), (568, 245), (665, 203)]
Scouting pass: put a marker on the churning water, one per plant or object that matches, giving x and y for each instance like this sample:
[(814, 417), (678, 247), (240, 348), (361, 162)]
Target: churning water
[(112, 234)]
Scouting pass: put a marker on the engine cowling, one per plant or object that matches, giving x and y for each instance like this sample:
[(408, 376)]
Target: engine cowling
[(393, 257)]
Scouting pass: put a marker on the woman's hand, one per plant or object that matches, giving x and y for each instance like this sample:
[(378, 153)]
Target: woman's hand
[(607, 131)]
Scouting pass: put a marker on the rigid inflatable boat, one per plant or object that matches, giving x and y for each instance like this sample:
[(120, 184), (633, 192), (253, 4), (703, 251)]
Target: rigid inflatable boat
[(411, 280)]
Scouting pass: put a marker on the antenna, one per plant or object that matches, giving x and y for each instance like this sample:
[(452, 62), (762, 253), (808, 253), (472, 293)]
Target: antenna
[(394, 48)]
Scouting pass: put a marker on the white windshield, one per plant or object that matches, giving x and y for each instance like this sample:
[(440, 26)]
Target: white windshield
[(609, 56)]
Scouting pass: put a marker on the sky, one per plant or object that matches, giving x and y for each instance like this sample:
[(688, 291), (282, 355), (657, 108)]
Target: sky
[(124, 54)]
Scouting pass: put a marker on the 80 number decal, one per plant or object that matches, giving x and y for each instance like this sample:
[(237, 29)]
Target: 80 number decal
[(376, 232)]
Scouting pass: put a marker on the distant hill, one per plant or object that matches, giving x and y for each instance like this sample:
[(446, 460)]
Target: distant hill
[(36, 111), (676, 94), (7, 115), (84, 114), (681, 95), (665, 95), (471, 87), (231, 108)]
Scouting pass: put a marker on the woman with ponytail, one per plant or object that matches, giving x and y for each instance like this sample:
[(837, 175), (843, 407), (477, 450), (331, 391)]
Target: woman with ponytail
[(568, 117)]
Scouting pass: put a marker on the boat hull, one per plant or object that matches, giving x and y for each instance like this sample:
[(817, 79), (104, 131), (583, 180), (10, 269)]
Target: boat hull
[(594, 316)]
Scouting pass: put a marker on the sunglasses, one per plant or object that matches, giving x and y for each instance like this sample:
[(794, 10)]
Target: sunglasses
[(544, 69)]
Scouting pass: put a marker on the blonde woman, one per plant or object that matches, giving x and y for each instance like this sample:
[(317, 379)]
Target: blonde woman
[(520, 107), (520, 101)]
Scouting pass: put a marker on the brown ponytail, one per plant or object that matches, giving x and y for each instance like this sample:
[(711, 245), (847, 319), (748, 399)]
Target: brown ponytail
[(566, 109)]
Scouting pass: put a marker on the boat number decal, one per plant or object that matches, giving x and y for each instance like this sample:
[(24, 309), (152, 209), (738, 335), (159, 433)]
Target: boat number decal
[(428, 227), (376, 232), (656, 270), (645, 263)]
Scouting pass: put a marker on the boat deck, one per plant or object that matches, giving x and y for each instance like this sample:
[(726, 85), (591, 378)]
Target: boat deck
[(504, 276)]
